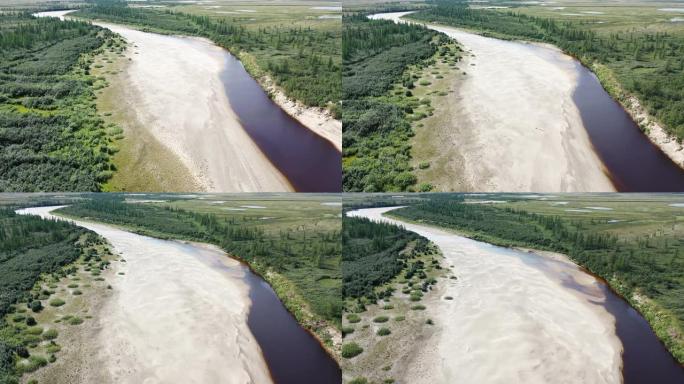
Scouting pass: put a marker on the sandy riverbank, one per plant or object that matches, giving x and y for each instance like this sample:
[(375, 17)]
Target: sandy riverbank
[(514, 125), (174, 317), (318, 120), (512, 319), (176, 91)]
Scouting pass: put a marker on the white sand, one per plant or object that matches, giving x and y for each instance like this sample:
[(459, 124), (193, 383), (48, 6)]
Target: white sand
[(175, 316), (511, 319), (516, 126)]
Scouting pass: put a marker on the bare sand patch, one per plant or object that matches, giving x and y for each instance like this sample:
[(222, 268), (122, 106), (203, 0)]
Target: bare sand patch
[(173, 317), (514, 125), (512, 318)]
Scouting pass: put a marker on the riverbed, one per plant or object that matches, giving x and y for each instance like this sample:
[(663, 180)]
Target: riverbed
[(198, 101), (527, 117), (536, 317), (186, 312)]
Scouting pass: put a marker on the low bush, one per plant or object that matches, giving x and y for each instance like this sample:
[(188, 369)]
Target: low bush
[(50, 334), (353, 318), (418, 307), (383, 331), (381, 319), (351, 350), (57, 302)]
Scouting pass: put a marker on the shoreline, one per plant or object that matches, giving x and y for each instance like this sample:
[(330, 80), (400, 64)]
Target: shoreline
[(233, 352), (317, 119), (545, 150), (640, 307), (210, 128), (269, 277), (536, 304), (650, 126)]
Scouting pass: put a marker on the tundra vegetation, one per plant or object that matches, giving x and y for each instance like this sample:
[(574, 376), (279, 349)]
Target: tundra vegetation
[(39, 259), (303, 60), (51, 136), (634, 243), (293, 243), (386, 271), (633, 53), (384, 64)]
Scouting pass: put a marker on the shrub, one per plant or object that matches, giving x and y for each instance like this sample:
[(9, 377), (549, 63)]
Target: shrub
[(424, 165), (73, 285), (381, 319), (351, 350), (22, 352), (30, 321), (76, 292), (36, 306), (75, 320), (418, 307), (18, 318), (50, 334), (429, 322), (448, 298), (347, 330), (353, 318), (31, 365), (57, 302), (52, 358), (34, 331), (359, 380), (384, 331)]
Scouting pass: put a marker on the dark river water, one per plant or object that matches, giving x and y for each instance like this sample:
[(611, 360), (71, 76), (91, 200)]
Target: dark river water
[(293, 355), (635, 164), (308, 161)]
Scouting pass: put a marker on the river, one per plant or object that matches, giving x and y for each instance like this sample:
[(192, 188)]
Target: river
[(532, 316), (200, 102), (186, 312), (551, 117)]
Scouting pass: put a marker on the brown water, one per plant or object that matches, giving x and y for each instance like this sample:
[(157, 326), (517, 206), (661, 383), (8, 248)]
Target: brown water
[(635, 164), (308, 161)]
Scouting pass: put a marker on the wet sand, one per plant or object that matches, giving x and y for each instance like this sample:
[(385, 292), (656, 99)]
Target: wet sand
[(513, 318), (501, 137), (173, 317)]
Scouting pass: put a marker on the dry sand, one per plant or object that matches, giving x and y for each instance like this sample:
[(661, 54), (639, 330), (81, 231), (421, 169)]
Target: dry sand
[(178, 95), (512, 319), (515, 126), (178, 315)]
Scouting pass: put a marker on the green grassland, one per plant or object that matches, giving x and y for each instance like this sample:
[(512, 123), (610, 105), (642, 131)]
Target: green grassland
[(42, 263), (633, 241), (293, 43), (635, 48), (292, 241), (51, 136), (387, 69)]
